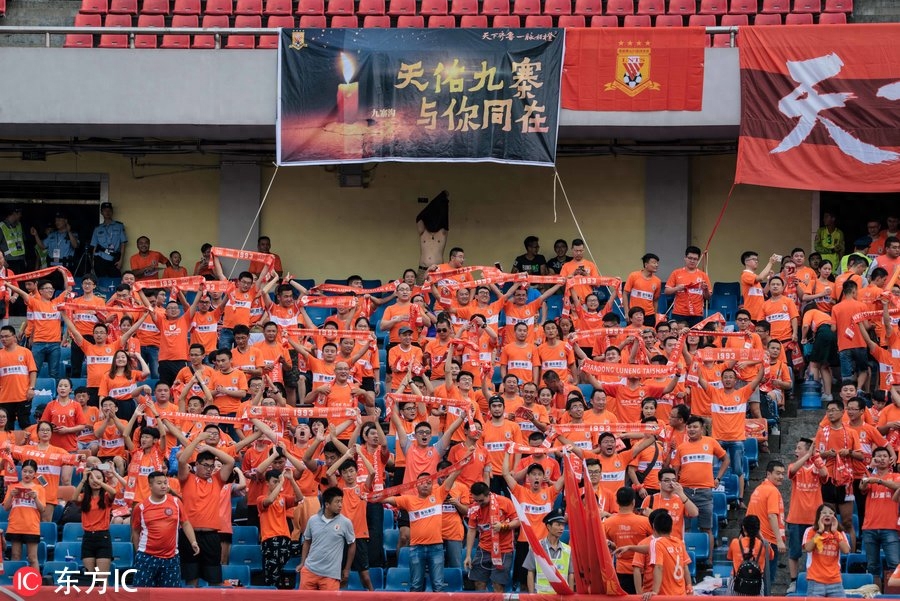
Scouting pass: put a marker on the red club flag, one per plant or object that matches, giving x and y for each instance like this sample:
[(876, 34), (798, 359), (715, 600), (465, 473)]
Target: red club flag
[(542, 559), (634, 69), (820, 107)]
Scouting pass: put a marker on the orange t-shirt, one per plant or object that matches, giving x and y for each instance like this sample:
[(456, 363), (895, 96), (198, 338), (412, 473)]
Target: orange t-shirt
[(690, 300), (806, 495), (354, 509), (272, 355), (173, 339), (496, 438), (760, 552), (451, 521), (148, 332), (614, 470), (44, 316), (881, 510), (15, 367), (824, 566), (841, 279), (888, 361), (753, 295), (643, 292), (174, 272), (519, 361), (232, 381), (91, 415), (669, 553), (340, 397), (474, 470), (86, 320), (527, 314), (198, 494), (779, 313), (99, 358), (118, 387), (239, 306), (419, 461), (245, 360), (24, 517), (830, 439), (67, 415), (568, 270), (764, 501), (627, 400), (425, 516), (97, 518), (729, 413), (397, 310), (695, 460), (480, 517), (147, 268), (626, 529), (536, 505), (559, 358), (205, 328), (398, 359), (675, 508), (256, 267), (112, 443), (848, 335), (438, 352)]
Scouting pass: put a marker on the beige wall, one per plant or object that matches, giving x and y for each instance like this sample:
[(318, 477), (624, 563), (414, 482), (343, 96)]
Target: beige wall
[(176, 210), (335, 231), (767, 220)]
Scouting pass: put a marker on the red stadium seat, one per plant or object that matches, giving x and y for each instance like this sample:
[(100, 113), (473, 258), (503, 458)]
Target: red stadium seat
[(344, 22), (526, 7), (464, 7), (558, 7), (619, 7), (539, 21), (433, 7), (651, 7), (742, 7), (474, 21), (670, 21), (441, 22), (88, 20), (118, 40), (571, 21), (209, 22), (604, 21), (250, 8), (767, 20), (507, 21), (682, 7), (807, 6), (702, 21), (313, 21), (588, 8), (722, 40), (799, 19), (241, 41), (781, 7), (83, 40), (155, 7), (735, 20), (275, 22), (278, 8), (370, 7), (402, 7), (340, 7), (148, 41), (637, 21), (713, 7), (123, 7), (839, 6), (94, 7), (496, 7), (218, 7), (411, 21), (311, 7), (376, 22), (187, 7), (2, 8), (832, 19), (180, 41)]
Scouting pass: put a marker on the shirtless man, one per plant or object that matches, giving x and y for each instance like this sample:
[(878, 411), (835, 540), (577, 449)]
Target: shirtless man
[(432, 223)]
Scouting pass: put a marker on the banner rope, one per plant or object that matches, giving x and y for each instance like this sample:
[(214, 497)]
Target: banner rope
[(716, 227), (255, 217)]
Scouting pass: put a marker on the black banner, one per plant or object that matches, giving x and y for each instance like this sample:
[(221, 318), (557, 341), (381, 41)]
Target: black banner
[(368, 95)]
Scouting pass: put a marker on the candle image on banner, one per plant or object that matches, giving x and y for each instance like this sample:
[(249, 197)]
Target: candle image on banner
[(348, 93)]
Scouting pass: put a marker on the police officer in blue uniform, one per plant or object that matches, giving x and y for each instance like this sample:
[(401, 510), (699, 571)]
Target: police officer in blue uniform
[(60, 244), (108, 244)]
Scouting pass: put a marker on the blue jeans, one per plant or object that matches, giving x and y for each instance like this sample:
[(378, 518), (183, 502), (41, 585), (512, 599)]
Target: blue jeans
[(433, 556), (772, 569), (876, 541), (735, 450), (853, 361), (226, 338), (49, 352), (817, 589), (453, 550), (150, 354)]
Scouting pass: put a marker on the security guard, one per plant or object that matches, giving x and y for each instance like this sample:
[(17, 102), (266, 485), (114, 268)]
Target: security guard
[(559, 553), (12, 240), (108, 244), (60, 244)]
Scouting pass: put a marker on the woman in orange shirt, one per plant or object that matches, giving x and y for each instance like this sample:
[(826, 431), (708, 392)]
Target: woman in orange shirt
[(754, 546), (821, 290), (96, 506), (50, 469), (25, 503), (119, 383), (368, 366), (67, 418), (824, 542)]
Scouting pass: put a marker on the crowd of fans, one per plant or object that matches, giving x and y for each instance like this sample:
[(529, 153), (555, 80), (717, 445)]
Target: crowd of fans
[(476, 399)]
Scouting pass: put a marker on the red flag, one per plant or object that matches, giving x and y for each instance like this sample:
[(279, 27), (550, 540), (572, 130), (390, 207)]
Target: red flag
[(541, 559), (819, 107), (581, 546), (634, 69), (607, 577)]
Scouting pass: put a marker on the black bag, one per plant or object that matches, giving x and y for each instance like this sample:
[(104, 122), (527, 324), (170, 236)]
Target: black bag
[(748, 580)]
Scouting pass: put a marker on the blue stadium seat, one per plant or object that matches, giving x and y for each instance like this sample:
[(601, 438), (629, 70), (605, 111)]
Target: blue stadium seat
[(720, 506), (565, 536), (388, 519), (801, 583), (453, 578), (397, 580), (245, 535), (554, 306), (42, 551), (726, 289), (663, 304), (44, 391), (586, 391), (123, 555), (391, 443), (856, 580), (233, 572), (726, 305), (856, 526), (389, 541), (692, 567), (49, 533), (318, 315), (854, 563), (291, 566), (120, 533), (4, 515), (697, 542), (730, 482), (305, 283), (73, 532), (10, 568), (371, 284), (403, 557), (78, 382), (50, 569), (722, 569), (67, 549), (376, 575), (247, 555), (751, 451)]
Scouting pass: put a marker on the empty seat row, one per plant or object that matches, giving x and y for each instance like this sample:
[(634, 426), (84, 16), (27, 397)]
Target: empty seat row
[(234, 40)]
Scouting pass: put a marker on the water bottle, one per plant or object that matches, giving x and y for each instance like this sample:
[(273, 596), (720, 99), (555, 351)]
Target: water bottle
[(810, 394)]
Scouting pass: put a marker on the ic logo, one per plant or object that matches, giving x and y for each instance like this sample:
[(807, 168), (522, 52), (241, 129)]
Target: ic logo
[(27, 581)]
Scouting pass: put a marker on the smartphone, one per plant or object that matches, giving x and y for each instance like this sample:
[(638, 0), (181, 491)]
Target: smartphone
[(41, 480)]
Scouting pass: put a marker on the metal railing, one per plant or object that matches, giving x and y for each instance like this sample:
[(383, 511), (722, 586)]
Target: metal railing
[(217, 32)]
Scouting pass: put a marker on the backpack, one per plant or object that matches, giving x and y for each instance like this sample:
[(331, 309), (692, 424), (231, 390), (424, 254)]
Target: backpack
[(748, 579)]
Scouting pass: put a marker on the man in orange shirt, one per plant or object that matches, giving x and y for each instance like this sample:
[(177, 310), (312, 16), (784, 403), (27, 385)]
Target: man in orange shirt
[(498, 433), (43, 314), (494, 518), (274, 536), (519, 310), (264, 245), (18, 374), (240, 301), (672, 498), (402, 357), (751, 290), (579, 267), (626, 528), (807, 476), (805, 275), (670, 578), (767, 504), (781, 313), (890, 260), (174, 328), (519, 357), (146, 263), (851, 345), (691, 288), (198, 487), (879, 529), (642, 289)]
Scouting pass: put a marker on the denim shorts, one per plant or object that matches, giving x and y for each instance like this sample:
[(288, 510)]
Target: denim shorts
[(795, 540)]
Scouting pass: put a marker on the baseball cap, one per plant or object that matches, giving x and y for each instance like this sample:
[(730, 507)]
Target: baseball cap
[(556, 515), (405, 330), (105, 205)]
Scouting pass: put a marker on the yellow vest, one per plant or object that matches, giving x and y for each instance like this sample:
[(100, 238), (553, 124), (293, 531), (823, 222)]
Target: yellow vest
[(542, 586)]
